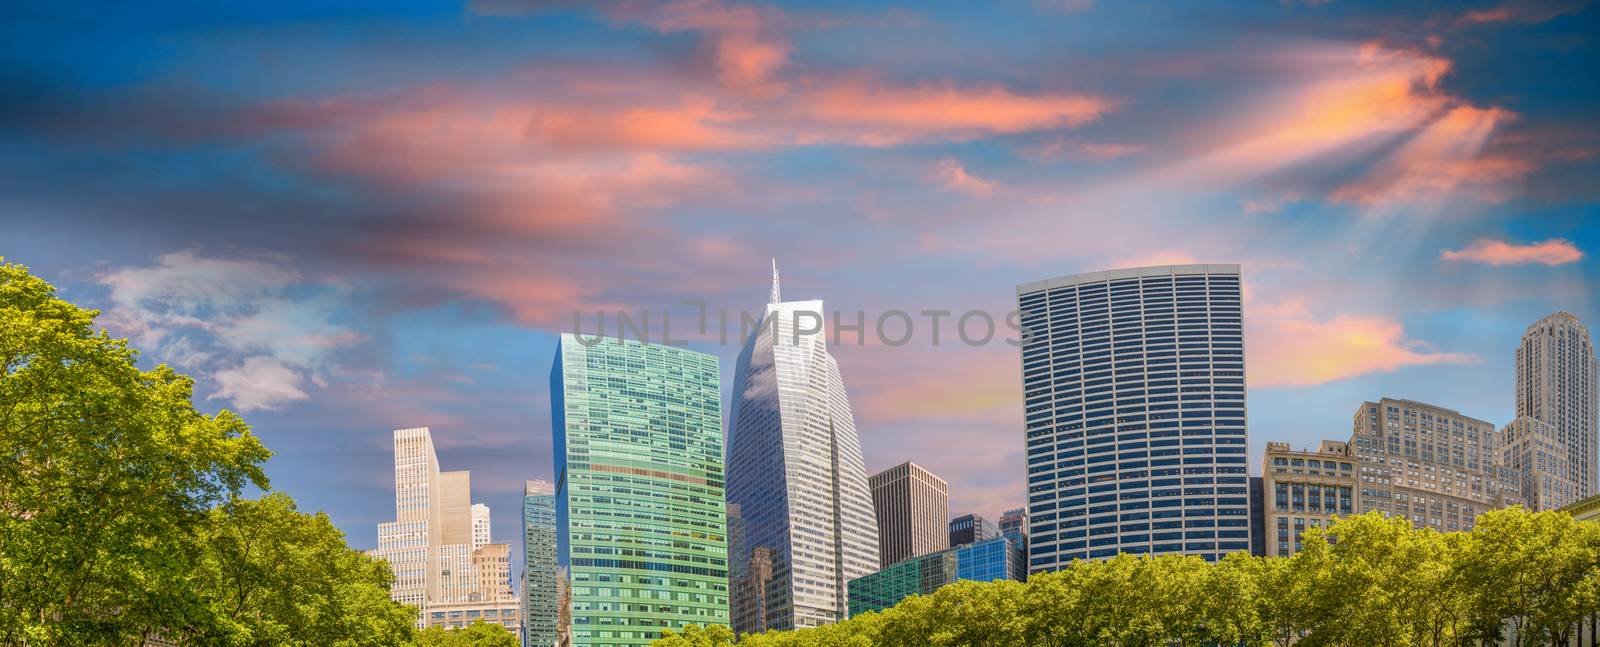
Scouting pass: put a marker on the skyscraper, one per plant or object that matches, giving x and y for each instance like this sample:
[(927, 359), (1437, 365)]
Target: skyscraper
[(443, 564), (640, 511), (1556, 385), (540, 593), (1014, 523), (971, 528), (1133, 386), (795, 470), (912, 505), (1431, 465)]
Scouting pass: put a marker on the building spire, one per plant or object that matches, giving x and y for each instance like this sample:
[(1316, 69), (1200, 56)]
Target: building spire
[(777, 295)]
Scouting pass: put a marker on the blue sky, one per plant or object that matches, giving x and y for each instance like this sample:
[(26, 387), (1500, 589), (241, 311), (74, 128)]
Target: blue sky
[(345, 218)]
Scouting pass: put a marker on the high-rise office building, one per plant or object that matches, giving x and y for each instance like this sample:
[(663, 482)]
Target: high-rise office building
[(996, 558), (971, 528), (443, 566), (795, 469), (1134, 395), (540, 592), (1429, 464), (480, 524), (1538, 459), (1014, 522), (912, 505), (1302, 490), (640, 511), (1556, 384)]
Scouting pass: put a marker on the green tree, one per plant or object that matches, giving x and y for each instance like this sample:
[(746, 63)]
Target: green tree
[(696, 636), (1532, 573), (477, 634), (274, 576), (106, 475)]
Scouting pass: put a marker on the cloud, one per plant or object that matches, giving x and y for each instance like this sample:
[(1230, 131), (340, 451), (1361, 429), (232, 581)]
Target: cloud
[(1062, 146), (950, 174), (744, 45), (1488, 251), (261, 382), (1288, 347), (1523, 11), (872, 113), (1443, 160), (252, 323)]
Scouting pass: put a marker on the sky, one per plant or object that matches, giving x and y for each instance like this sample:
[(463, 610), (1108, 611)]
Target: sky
[(347, 218)]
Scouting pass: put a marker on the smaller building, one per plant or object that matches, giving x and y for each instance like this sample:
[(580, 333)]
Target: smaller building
[(455, 615), (985, 561), (971, 529), (1536, 458), (1302, 490)]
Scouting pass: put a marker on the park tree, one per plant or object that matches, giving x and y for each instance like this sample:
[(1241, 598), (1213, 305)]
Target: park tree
[(107, 473), (697, 636), (477, 634), (1534, 574), (271, 575)]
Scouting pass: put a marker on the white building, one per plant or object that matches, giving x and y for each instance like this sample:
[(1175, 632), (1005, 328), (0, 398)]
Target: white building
[(795, 471), (1556, 385)]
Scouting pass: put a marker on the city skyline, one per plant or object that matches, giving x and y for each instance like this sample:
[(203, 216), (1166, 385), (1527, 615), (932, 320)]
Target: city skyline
[(391, 222)]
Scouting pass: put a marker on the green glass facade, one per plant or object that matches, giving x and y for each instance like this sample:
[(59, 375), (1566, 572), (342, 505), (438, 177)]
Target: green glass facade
[(640, 506), (985, 561)]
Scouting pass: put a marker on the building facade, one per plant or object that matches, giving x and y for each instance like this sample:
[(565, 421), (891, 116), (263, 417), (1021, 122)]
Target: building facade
[(1556, 384), (912, 506), (455, 615), (1429, 464), (1539, 460), (1302, 490), (640, 511), (986, 561), (971, 528), (1014, 523), (540, 594), (795, 470), (1134, 396), (439, 553)]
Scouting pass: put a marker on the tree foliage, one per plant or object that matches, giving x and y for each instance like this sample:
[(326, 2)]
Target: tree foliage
[(477, 634), (120, 508), (1365, 580)]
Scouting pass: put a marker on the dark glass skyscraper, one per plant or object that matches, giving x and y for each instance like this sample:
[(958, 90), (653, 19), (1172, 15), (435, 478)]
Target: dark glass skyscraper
[(1134, 392)]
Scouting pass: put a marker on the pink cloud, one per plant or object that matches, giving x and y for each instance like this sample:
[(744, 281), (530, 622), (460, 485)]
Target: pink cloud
[(875, 114), (1488, 251), (1289, 347), (950, 174), (1444, 159), (1523, 11), (1063, 146)]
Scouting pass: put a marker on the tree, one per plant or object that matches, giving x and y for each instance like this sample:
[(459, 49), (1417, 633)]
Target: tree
[(477, 634), (1532, 573), (697, 636), (274, 576), (106, 474)]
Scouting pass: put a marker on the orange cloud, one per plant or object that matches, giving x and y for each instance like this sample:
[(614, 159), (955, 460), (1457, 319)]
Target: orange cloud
[(1445, 158), (1488, 251), (1523, 11), (874, 114), (744, 45), (1288, 347), (949, 173)]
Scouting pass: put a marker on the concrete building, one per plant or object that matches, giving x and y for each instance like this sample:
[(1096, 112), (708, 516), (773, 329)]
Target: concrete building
[(1556, 384), (1302, 490), (437, 557), (455, 615), (1429, 464), (970, 529), (912, 506), (1014, 524), (640, 514), (992, 559), (1539, 460), (480, 524), (540, 592), (1134, 396), (795, 469)]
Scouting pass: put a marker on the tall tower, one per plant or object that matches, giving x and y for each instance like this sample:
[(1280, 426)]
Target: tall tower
[(1556, 385), (410, 543), (540, 593), (913, 508), (795, 470), (1133, 387), (640, 514)]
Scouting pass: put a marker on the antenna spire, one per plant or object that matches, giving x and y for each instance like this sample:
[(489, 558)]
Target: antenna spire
[(777, 295)]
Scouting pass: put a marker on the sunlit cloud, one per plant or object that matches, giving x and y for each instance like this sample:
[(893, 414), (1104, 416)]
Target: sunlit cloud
[(950, 174), (1290, 347), (1489, 251)]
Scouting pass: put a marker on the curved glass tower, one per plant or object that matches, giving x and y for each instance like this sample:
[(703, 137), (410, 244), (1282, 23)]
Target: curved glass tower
[(1133, 383), (796, 474)]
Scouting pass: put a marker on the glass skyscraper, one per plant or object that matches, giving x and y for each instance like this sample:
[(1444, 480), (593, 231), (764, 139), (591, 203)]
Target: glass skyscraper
[(796, 473), (540, 594), (997, 558), (640, 509), (1134, 396)]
